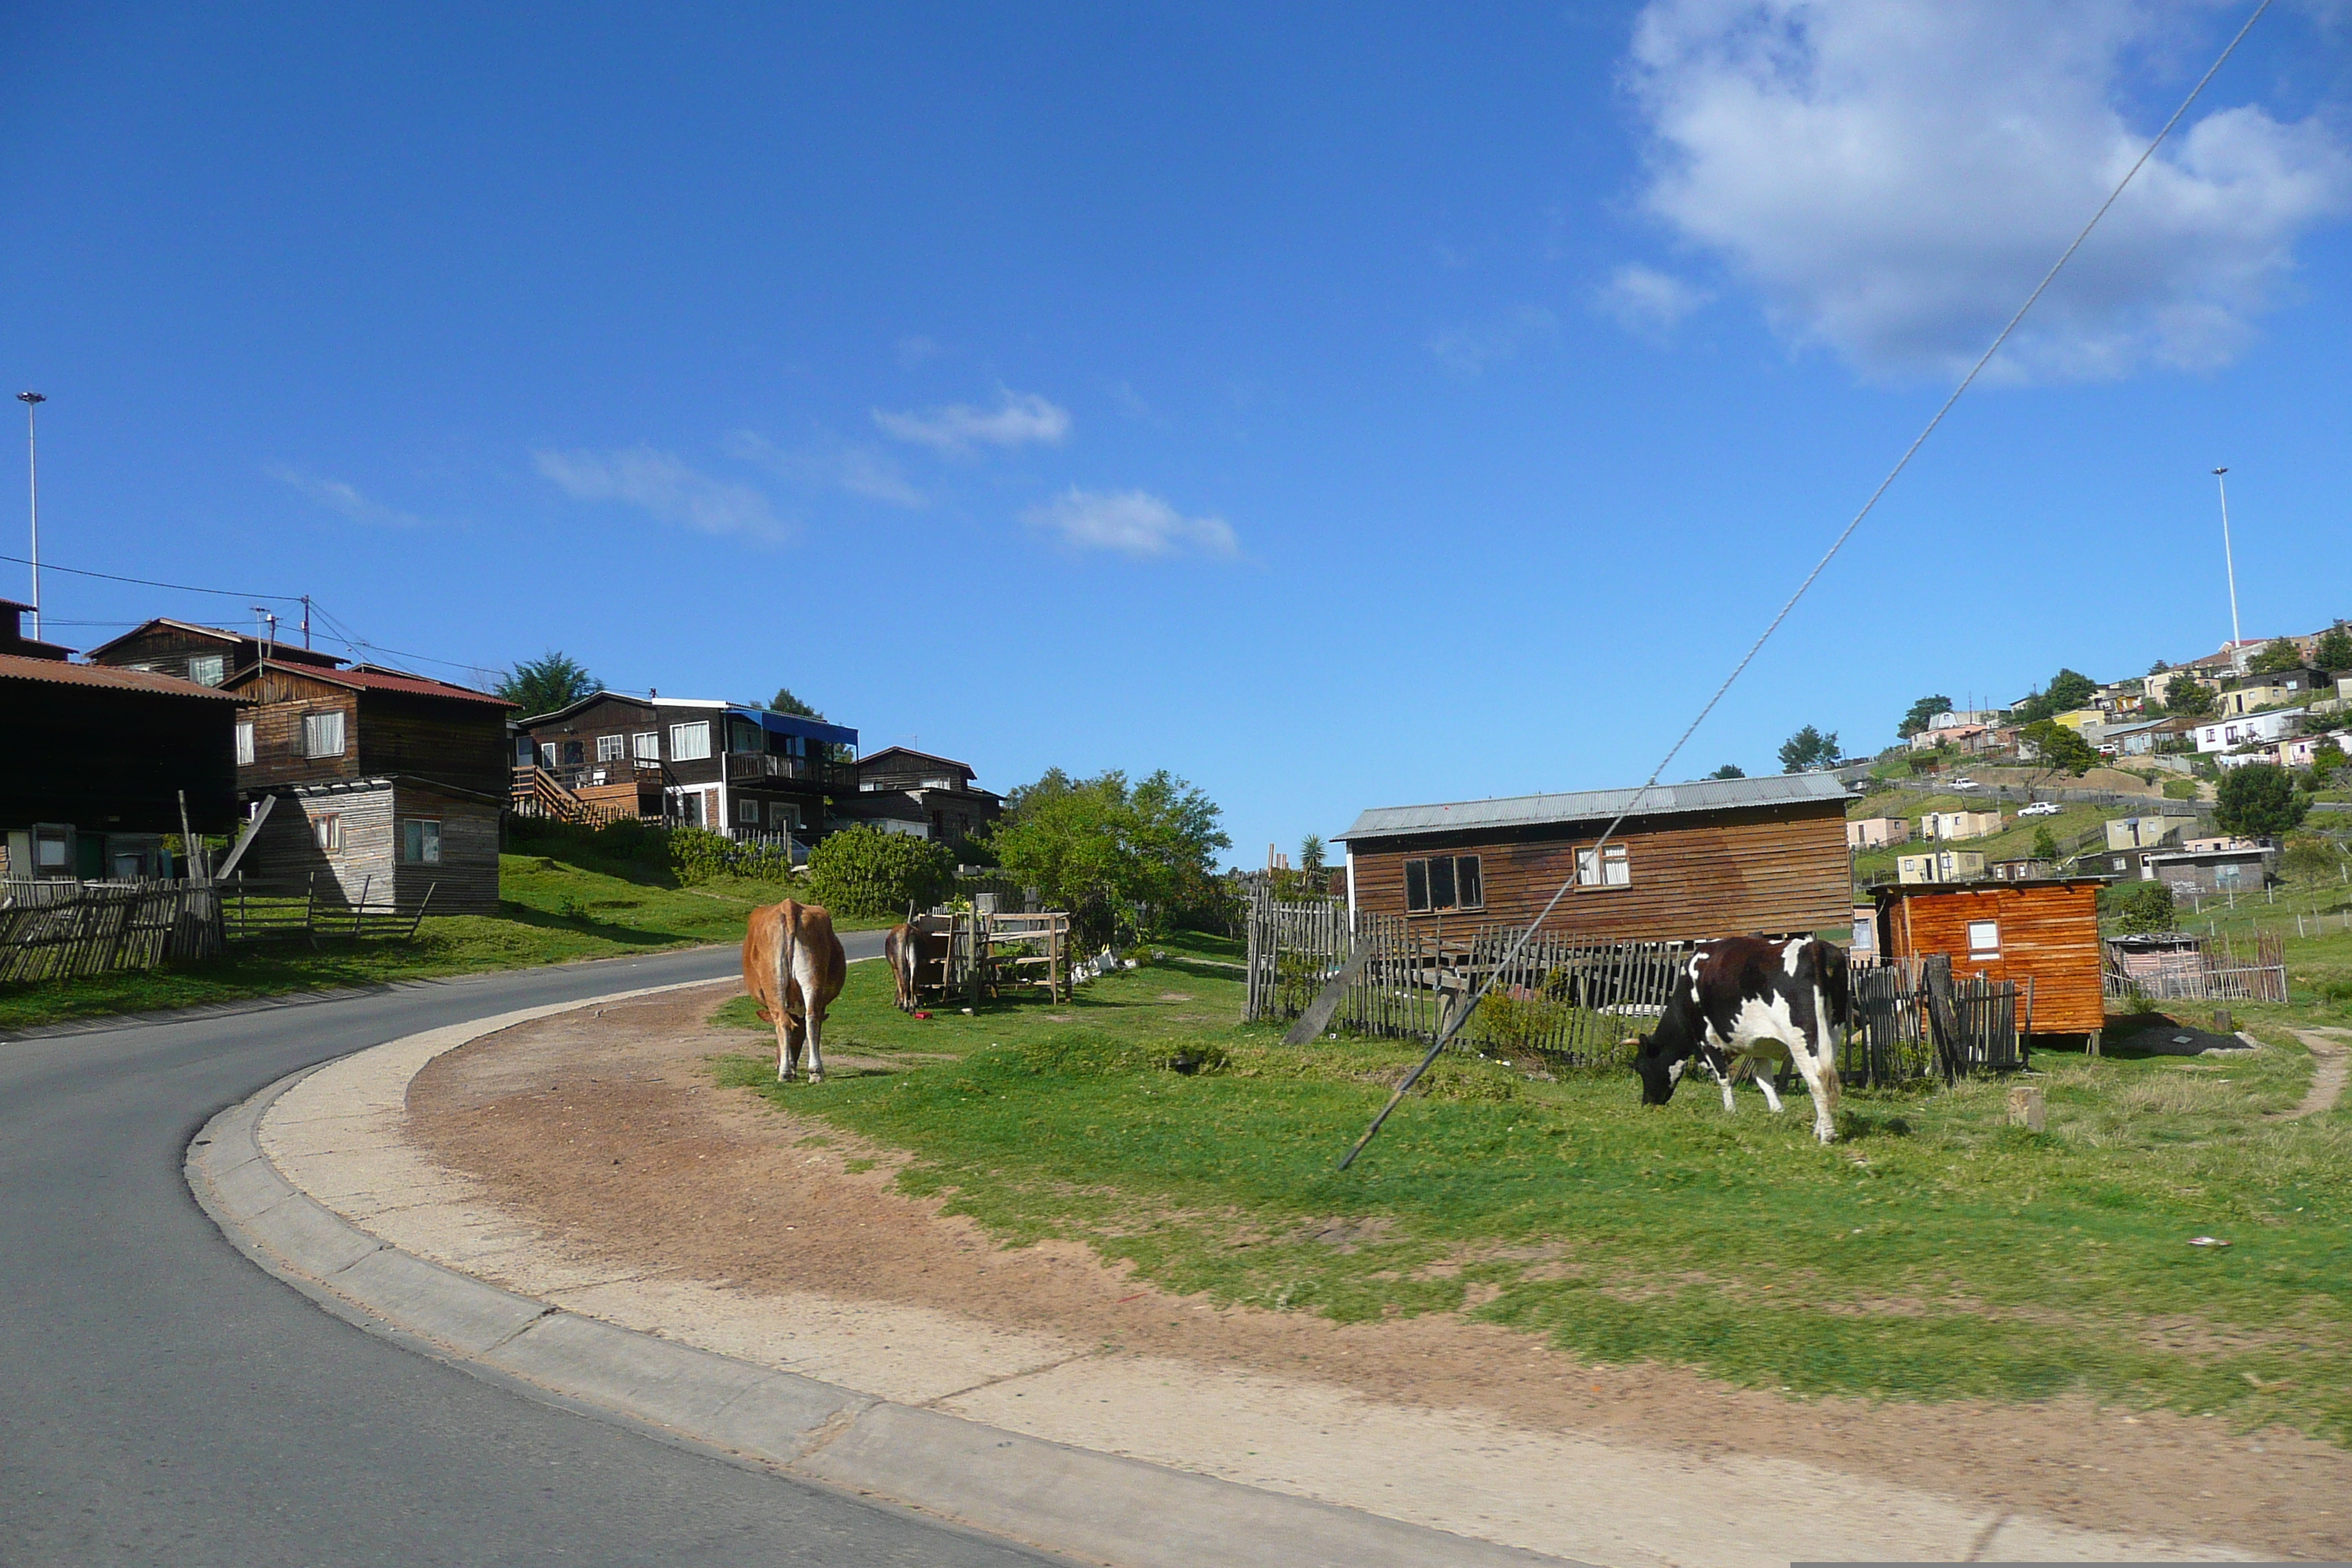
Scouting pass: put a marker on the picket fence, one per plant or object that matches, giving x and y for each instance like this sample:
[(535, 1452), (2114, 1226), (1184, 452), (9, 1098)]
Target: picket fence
[(68, 930)]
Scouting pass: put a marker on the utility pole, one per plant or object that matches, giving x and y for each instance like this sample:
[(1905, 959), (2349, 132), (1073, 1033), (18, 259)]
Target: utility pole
[(306, 620), (32, 402), (2237, 654)]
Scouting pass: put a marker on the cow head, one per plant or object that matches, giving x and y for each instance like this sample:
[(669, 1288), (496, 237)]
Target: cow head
[(1658, 1074)]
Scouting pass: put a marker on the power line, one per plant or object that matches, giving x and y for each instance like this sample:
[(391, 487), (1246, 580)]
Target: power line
[(1461, 1014), (150, 583)]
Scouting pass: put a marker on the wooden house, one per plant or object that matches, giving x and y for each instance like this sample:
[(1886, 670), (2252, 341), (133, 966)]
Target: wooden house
[(2047, 932), (736, 768), (1718, 857), (382, 781), (205, 655), (905, 791), (101, 759)]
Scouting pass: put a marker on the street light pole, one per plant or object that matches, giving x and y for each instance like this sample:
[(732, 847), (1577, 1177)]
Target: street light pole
[(2237, 654), (32, 402)]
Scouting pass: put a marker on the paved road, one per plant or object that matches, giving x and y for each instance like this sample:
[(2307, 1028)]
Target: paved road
[(164, 1401)]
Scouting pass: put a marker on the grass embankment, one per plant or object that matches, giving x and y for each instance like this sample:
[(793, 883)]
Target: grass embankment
[(1935, 1253), (2014, 842), (552, 910)]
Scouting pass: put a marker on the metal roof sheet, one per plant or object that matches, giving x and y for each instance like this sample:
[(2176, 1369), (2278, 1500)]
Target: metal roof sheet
[(56, 672), (383, 681), (1596, 805)]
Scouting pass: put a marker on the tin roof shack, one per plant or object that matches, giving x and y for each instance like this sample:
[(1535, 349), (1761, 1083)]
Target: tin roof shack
[(2244, 870), (99, 759), (1877, 831), (1949, 826), (2044, 931), (731, 767), (1718, 857), (205, 655), (904, 790), (1939, 866)]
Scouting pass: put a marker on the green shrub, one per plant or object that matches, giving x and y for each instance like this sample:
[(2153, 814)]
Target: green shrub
[(866, 874), (2135, 907), (699, 854), (2180, 789)]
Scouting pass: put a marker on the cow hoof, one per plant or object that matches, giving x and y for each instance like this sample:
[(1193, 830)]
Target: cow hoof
[(816, 1078)]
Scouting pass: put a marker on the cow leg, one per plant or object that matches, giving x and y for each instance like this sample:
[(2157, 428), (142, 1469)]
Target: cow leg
[(1722, 1076), (810, 979), (1771, 1096), (787, 1044), (1821, 1082)]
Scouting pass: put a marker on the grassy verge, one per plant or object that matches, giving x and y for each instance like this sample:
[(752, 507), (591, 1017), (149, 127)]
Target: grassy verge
[(1936, 1253), (551, 911)]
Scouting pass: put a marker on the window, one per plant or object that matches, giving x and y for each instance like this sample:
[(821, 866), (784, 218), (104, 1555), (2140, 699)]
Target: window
[(574, 753), (327, 831), (1984, 939), (647, 745), (547, 753), (608, 748), (749, 812), (207, 668), (743, 735), (52, 850), (323, 734), (689, 743), (1443, 882), (524, 751), (1606, 867), (420, 841), (245, 745), (783, 816)]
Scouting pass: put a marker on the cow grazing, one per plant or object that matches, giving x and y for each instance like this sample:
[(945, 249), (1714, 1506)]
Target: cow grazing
[(900, 950), (793, 963), (1746, 1002)]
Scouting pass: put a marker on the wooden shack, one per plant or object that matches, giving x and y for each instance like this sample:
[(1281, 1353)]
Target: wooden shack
[(383, 842), (2046, 931), (1717, 858)]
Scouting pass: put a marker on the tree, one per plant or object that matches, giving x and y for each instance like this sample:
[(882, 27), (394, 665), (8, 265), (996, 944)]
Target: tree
[(544, 684), (2060, 747), (2259, 800), (2334, 651), (1729, 771), (2139, 907), (1926, 708), (2187, 699), (2068, 690), (784, 701), (868, 874), (2045, 842), (1808, 748), (1310, 856), (2277, 654), (1102, 846), (2327, 759)]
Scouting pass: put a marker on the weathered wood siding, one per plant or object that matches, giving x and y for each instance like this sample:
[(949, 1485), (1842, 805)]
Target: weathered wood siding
[(114, 761), (1779, 868), (465, 882), (281, 698), (2049, 931), (448, 740)]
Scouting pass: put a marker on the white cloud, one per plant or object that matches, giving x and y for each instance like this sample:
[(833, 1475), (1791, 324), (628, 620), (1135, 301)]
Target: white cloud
[(1647, 302), (1894, 176), (1132, 522), (1466, 351), (664, 488), (832, 464), (1017, 420), (337, 497)]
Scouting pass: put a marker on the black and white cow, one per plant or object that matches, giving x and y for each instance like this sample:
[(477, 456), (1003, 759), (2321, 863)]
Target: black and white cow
[(1742, 1001)]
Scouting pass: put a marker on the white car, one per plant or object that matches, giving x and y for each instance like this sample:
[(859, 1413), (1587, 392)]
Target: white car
[(2039, 808), (1965, 784)]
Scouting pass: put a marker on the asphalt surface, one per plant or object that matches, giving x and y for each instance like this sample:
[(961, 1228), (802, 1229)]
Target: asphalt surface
[(164, 1401)]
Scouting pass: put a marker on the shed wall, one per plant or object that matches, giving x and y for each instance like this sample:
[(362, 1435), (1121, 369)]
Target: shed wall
[(2049, 932)]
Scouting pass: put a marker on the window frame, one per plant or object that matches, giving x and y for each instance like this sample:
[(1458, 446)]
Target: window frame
[(315, 724), (425, 831), (680, 751), (747, 811), (1980, 949), (327, 832), (1422, 869), (208, 668), (245, 752), (645, 745), (1604, 866), (610, 748)]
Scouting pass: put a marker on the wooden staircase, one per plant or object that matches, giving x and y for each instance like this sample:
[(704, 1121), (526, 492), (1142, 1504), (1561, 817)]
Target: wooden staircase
[(538, 792)]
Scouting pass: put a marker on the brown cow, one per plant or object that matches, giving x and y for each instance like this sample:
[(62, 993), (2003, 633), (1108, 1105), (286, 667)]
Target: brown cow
[(902, 951), (793, 963)]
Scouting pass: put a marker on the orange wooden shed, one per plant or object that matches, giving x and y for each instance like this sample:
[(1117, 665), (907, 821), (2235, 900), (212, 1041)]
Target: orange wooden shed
[(2045, 929)]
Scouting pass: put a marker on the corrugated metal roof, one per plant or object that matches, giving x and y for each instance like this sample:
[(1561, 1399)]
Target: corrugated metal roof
[(1595, 805), (384, 681), (105, 677)]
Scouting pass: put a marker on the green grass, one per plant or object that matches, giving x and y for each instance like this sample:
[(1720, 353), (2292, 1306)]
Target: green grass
[(2014, 842), (1934, 1253), (551, 911)]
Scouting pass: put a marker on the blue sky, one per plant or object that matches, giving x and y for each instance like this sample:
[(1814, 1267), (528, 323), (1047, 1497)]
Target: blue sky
[(1340, 406)]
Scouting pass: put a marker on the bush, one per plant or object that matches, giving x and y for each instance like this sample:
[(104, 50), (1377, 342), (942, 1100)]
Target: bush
[(865, 873), (2137, 907), (699, 854), (2259, 799), (2180, 789)]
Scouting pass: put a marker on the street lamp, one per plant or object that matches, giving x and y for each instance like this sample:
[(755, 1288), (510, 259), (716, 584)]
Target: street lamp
[(2237, 654), (32, 402)]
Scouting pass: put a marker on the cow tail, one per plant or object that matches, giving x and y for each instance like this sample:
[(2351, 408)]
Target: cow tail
[(786, 960)]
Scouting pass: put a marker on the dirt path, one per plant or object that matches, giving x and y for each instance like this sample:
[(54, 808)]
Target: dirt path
[(606, 1131), (2332, 1063)]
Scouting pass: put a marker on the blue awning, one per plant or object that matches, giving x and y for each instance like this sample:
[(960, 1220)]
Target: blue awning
[(787, 724)]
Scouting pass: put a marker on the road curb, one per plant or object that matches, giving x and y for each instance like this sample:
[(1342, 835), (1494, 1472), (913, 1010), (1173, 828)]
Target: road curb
[(1079, 1502)]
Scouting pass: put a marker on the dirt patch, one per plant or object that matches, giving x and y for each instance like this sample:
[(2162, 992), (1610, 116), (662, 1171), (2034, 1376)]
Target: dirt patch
[(605, 1128), (2331, 1064)]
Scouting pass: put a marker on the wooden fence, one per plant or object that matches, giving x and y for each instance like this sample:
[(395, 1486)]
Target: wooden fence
[(1562, 1001), (2191, 968), (317, 906), (968, 955), (68, 930)]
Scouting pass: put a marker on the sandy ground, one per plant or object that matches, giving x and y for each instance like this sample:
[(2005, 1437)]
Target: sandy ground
[(603, 1129)]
